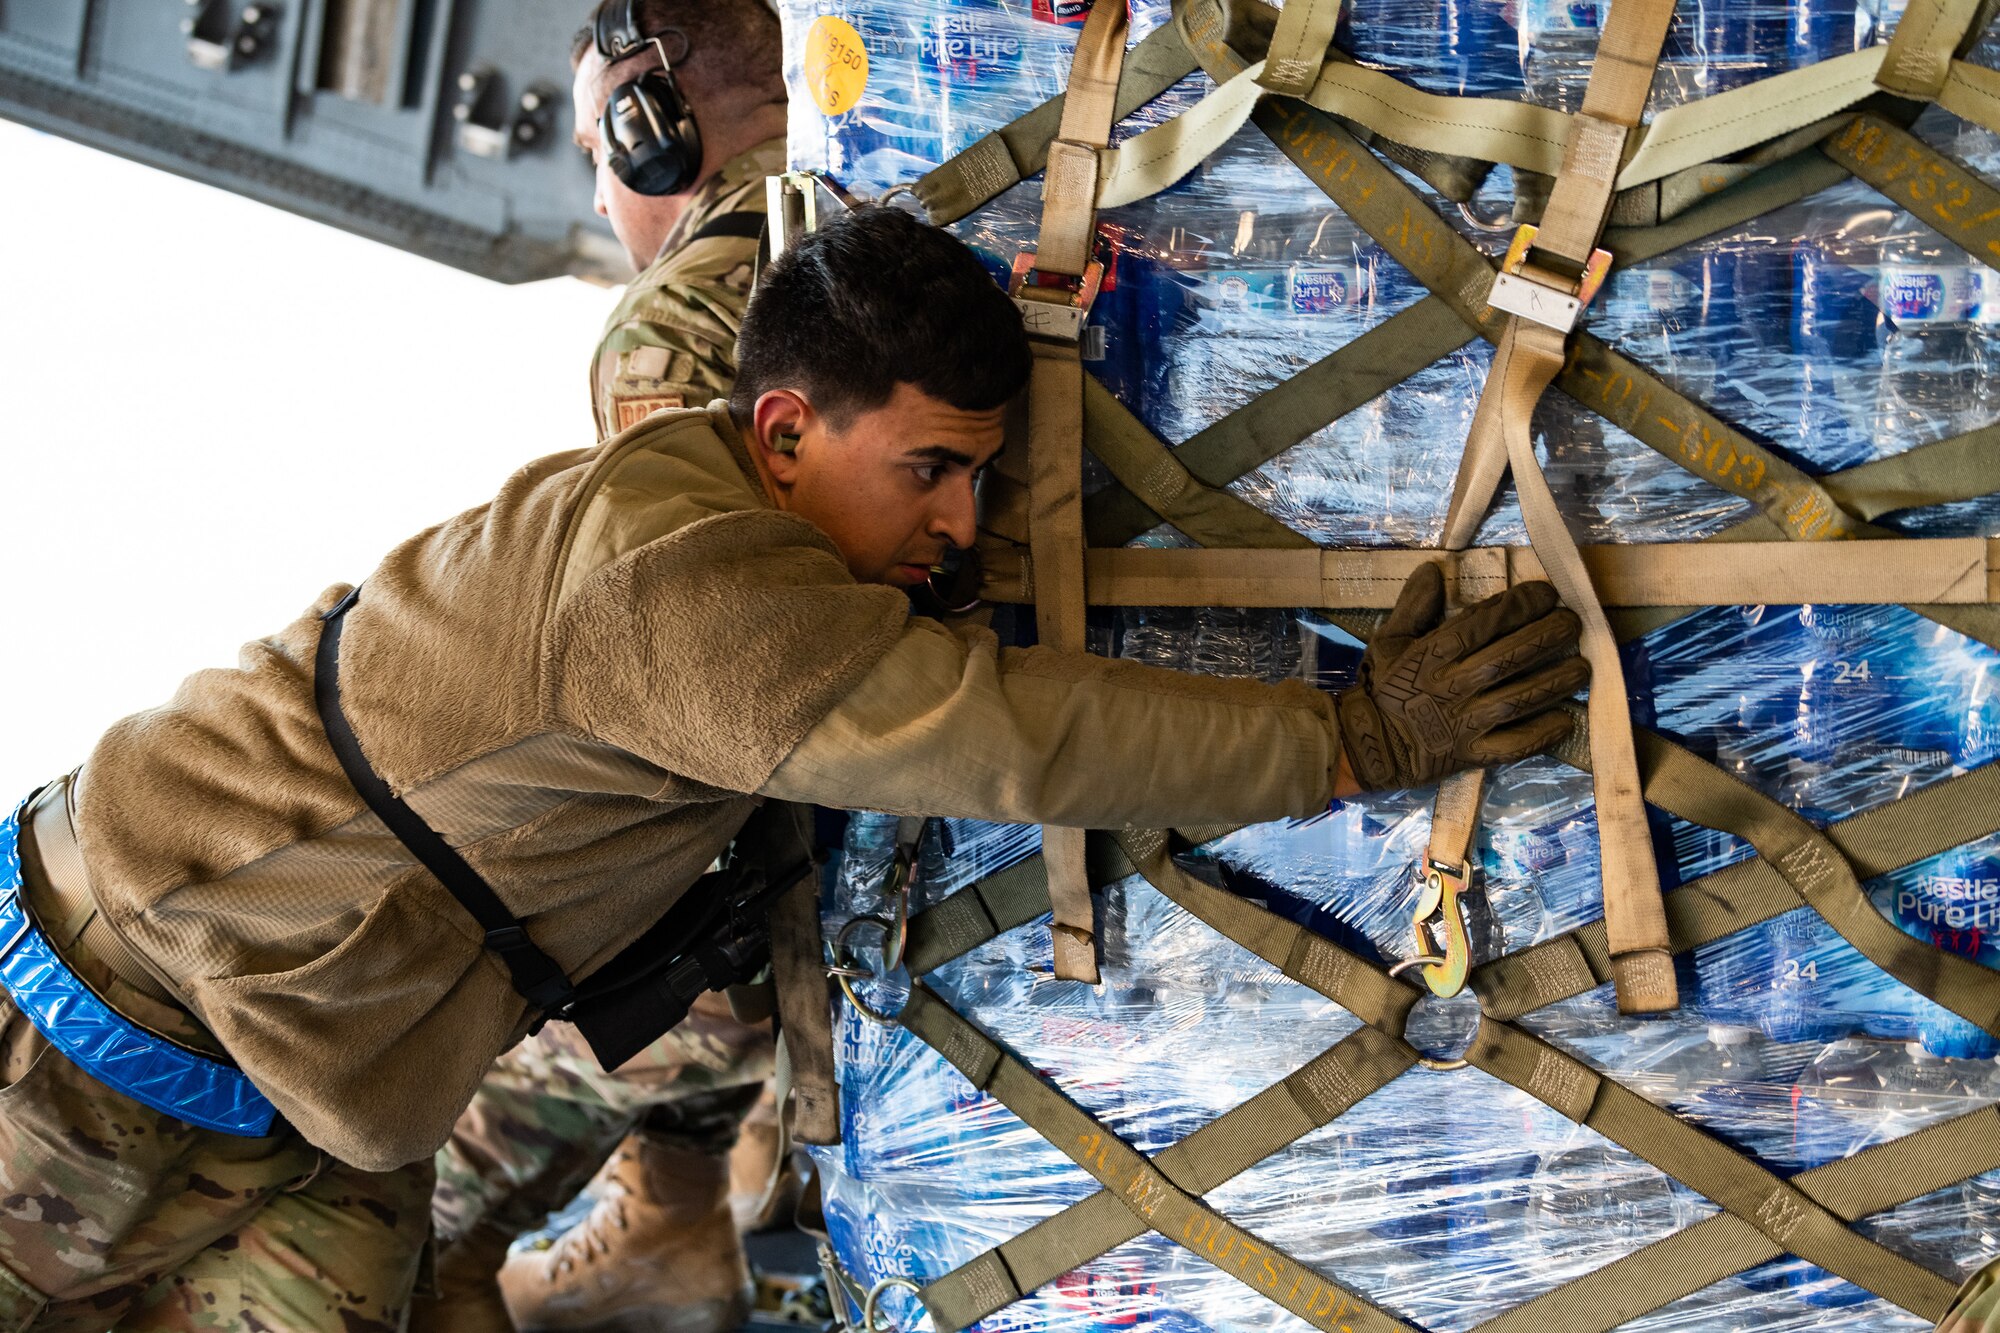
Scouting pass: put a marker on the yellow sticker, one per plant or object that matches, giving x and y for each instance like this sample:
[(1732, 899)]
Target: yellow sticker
[(836, 64)]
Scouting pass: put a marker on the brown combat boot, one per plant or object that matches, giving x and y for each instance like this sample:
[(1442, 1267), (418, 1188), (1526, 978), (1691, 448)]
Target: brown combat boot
[(658, 1253), (467, 1298), (762, 1189)]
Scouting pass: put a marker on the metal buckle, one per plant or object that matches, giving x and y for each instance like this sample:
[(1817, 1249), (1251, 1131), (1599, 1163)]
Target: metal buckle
[(1054, 307), (1533, 300), (1439, 923)]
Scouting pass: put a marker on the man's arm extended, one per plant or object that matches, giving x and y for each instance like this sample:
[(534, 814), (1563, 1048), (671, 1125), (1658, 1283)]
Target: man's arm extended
[(948, 723)]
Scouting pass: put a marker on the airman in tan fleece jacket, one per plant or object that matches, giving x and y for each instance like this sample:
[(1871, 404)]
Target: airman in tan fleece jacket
[(585, 686), (579, 685)]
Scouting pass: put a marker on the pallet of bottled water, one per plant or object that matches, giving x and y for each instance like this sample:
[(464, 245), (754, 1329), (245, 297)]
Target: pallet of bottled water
[(1839, 330)]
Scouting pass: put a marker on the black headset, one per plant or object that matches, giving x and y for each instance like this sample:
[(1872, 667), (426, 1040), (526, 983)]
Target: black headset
[(651, 142)]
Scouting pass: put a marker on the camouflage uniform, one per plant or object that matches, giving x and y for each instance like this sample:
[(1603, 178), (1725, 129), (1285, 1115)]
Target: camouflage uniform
[(671, 339), (140, 1220), (547, 1117), (1977, 1307)]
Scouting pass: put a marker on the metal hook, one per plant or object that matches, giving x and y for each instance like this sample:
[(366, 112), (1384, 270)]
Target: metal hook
[(1429, 1062), (868, 1306), (896, 930), (1497, 225), (1439, 926), (844, 971)]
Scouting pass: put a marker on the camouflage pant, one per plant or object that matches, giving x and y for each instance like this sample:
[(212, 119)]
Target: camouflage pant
[(113, 1215), (547, 1117)]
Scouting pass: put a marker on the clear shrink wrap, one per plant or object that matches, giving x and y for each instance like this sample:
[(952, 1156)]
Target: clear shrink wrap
[(1838, 330)]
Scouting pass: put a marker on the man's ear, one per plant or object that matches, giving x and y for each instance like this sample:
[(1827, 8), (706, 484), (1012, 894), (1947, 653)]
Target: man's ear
[(778, 421)]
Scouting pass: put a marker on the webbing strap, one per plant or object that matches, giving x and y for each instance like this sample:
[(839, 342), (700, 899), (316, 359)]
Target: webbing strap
[(1448, 141), (1137, 1182), (1149, 162), (1608, 383), (1404, 344), (1690, 136), (536, 977), (1055, 528), (1299, 46), (1791, 1219), (1526, 361), (1018, 150), (1273, 422), (1572, 1088), (1069, 185), (1797, 1223), (1455, 808), (1943, 815), (1599, 378), (1796, 865), (1158, 478), (1312, 1096), (1972, 92), (1635, 923), (812, 1110), (1664, 202), (1703, 794), (1941, 193), (1961, 467), (1918, 59), (1350, 981), (1454, 824), (1055, 423), (1681, 145), (1878, 1177), (967, 919), (1950, 573)]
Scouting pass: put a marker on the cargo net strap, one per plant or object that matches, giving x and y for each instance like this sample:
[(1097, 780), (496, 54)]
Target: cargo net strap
[(1694, 171), (1763, 1215)]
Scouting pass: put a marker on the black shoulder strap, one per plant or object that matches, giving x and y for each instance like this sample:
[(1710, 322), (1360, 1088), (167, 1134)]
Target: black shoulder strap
[(748, 226), (535, 974)]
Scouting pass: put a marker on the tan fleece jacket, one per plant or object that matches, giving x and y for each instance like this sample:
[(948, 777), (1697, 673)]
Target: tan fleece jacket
[(580, 685)]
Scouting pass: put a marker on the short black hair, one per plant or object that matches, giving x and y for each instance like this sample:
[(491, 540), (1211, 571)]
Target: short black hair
[(731, 44), (873, 299)]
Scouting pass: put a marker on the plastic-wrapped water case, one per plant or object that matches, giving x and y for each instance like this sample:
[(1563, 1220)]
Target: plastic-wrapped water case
[(1838, 330)]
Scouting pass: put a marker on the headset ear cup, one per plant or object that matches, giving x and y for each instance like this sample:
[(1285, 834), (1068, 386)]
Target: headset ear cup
[(651, 142)]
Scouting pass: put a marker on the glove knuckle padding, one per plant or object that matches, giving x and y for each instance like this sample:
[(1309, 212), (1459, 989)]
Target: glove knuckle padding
[(1435, 697)]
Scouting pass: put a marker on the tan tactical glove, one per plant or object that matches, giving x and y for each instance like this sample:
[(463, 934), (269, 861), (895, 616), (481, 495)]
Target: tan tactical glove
[(1437, 694)]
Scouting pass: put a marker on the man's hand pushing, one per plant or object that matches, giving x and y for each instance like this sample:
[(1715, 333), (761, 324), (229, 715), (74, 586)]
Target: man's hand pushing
[(1441, 693)]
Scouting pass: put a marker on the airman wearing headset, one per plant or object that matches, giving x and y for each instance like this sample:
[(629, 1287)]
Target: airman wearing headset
[(683, 192), (680, 105)]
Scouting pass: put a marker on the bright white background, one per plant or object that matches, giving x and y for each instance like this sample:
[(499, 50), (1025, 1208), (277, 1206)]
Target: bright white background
[(210, 410)]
